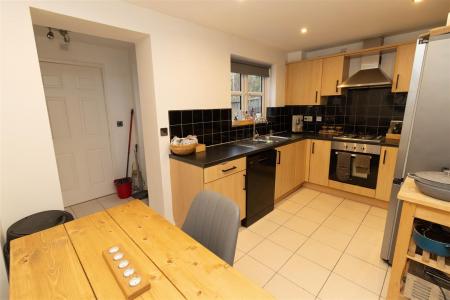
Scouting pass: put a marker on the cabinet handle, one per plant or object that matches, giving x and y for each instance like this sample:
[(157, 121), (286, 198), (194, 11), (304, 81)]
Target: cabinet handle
[(313, 148), (396, 81), (316, 96), (229, 169), (279, 157), (384, 156), (245, 182), (337, 83)]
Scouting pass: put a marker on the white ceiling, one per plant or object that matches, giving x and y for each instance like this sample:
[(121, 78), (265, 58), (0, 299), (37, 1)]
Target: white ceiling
[(277, 23)]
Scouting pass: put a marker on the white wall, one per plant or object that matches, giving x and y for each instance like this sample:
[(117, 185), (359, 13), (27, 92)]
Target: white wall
[(180, 66), (29, 176), (115, 60), (3, 276)]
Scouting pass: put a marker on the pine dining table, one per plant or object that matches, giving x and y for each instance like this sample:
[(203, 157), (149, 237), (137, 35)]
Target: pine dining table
[(65, 262)]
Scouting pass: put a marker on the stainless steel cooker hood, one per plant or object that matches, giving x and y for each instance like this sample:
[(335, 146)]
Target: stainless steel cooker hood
[(370, 74)]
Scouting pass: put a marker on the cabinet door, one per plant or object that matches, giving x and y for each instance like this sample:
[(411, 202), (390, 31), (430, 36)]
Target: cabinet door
[(232, 187), (300, 162), (334, 71), (303, 82), (386, 173), (403, 67), (284, 178), (315, 82), (319, 162), (293, 77)]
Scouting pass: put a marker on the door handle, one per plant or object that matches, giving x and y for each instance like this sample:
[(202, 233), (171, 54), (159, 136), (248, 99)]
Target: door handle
[(229, 169), (396, 81), (384, 156), (312, 148), (279, 157), (245, 182), (316, 96), (337, 83)]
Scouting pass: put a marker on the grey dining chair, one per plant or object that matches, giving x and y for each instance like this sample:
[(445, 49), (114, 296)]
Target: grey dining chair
[(213, 220)]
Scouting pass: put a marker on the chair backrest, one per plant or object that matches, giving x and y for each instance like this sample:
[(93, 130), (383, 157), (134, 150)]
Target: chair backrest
[(213, 220)]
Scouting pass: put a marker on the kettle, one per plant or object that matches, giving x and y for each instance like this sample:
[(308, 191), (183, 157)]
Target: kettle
[(297, 123)]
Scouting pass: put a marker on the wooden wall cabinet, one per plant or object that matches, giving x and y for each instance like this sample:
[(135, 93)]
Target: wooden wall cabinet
[(334, 72), (303, 82), (386, 173), (319, 162), (403, 67), (187, 181)]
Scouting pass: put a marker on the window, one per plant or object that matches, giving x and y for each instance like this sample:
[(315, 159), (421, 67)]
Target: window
[(247, 94)]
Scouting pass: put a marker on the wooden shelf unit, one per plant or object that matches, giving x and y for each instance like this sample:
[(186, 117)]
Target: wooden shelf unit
[(416, 205), (419, 255)]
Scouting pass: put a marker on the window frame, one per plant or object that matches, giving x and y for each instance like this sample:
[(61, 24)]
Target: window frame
[(245, 94)]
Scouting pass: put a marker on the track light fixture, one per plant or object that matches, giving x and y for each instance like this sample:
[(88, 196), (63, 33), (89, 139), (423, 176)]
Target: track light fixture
[(64, 33), (50, 34)]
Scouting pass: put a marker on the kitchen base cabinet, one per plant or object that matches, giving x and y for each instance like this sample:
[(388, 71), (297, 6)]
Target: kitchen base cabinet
[(386, 173), (300, 162), (187, 181), (284, 178), (232, 187), (290, 168), (355, 189), (319, 162)]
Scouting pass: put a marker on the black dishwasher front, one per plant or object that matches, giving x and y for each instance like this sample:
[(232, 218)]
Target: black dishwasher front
[(260, 185)]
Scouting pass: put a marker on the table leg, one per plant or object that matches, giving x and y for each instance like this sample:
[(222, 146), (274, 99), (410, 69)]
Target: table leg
[(401, 249)]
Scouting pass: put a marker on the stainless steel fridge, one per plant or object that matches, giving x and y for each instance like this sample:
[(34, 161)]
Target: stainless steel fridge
[(425, 137)]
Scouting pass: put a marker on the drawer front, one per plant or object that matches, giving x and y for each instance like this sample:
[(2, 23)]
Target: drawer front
[(224, 169)]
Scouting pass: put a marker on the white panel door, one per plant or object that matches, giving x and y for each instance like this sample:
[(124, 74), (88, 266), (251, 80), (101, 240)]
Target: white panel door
[(77, 113)]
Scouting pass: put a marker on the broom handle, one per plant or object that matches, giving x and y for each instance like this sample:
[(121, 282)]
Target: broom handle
[(129, 142)]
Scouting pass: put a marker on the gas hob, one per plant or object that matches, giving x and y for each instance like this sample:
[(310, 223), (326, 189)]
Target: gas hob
[(358, 138)]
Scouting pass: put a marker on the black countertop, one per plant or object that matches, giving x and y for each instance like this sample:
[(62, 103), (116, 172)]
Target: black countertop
[(224, 152)]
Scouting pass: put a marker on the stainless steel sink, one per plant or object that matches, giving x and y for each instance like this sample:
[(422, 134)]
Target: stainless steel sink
[(262, 141)]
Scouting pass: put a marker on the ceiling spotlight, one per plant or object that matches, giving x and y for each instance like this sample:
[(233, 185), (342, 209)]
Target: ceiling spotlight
[(304, 30), (417, 1), (50, 34)]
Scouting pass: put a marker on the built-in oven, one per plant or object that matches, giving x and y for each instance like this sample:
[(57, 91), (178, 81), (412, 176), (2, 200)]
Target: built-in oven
[(354, 163)]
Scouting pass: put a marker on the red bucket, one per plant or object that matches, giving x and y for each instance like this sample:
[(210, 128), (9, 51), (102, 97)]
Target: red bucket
[(123, 187)]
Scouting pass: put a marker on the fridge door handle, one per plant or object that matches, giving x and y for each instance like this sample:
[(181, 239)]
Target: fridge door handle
[(397, 181)]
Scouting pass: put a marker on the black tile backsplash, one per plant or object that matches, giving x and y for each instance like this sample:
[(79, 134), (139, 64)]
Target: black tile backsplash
[(363, 111), (213, 126)]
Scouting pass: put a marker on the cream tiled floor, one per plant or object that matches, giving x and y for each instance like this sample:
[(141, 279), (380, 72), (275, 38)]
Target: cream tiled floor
[(316, 246), (95, 205)]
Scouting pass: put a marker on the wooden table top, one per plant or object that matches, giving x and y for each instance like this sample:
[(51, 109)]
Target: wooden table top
[(66, 261), (410, 193)]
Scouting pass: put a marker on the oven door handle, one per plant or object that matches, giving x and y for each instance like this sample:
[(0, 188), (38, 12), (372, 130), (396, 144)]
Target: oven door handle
[(354, 155)]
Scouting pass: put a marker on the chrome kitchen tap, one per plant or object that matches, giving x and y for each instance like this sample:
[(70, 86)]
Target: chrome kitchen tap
[(258, 119)]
